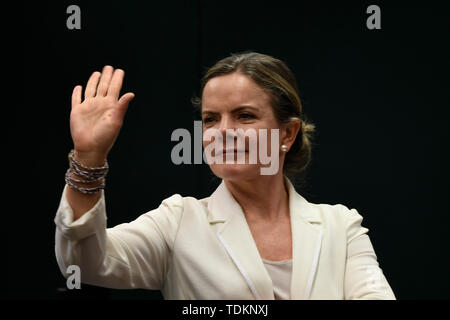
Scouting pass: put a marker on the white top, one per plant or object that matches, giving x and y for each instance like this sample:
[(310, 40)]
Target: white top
[(195, 249), (280, 272)]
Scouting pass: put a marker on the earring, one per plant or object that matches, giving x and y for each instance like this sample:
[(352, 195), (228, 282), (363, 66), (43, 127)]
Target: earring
[(283, 147)]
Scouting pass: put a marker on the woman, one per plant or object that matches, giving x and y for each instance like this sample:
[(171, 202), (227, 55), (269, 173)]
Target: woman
[(255, 237)]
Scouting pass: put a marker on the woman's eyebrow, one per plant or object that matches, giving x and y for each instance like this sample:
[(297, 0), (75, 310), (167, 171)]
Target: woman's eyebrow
[(240, 108), (209, 112), (236, 109)]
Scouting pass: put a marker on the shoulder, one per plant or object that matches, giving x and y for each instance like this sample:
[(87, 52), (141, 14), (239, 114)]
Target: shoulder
[(339, 217), (322, 213), (326, 211), (333, 211), (180, 205), (170, 214)]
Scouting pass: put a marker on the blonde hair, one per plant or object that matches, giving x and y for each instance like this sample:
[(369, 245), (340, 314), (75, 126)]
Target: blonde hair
[(279, 82)]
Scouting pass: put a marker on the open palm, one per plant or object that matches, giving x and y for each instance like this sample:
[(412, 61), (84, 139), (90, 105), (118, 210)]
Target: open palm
[(95, 122)]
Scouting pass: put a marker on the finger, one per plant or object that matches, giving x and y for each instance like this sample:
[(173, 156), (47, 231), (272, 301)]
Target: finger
[(91, 86), (105, 80), (116, 84), (76, 95)]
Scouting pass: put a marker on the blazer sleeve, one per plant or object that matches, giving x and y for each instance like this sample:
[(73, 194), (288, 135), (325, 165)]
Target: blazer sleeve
[(364, 279), (127, 256)]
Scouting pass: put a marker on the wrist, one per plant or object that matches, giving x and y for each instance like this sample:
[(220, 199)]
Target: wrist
[(91, 172), (90, 159)]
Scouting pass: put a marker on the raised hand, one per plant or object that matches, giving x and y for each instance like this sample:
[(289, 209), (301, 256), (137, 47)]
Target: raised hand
[(95, 122)]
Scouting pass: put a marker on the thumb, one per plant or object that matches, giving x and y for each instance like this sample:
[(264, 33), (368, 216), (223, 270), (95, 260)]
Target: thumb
[(125, 100), (123, 103)]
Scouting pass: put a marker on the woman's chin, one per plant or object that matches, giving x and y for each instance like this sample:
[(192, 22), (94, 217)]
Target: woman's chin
[(236, 171)]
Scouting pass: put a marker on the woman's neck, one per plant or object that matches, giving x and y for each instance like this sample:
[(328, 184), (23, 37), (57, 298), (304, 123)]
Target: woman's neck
[(263, 198)]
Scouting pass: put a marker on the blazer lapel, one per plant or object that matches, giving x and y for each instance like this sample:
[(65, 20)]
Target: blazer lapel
[(236, 237), (306, 244)]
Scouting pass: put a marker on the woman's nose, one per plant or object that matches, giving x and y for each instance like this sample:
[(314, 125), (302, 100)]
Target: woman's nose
[(225, 124), (227, 129)]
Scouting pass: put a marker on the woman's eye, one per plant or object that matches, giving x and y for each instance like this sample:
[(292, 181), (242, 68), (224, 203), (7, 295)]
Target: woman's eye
[(246, 116), (208, 120)]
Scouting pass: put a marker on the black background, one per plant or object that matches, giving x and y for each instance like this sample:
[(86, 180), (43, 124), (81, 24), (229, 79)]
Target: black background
[(379, 99)]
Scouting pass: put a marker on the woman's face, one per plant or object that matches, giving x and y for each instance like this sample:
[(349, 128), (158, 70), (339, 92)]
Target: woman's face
[(235, 101)]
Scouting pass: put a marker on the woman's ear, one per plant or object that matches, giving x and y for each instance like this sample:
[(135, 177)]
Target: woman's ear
[(290, 131)]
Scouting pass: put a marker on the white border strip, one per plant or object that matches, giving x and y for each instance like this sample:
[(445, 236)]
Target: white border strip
[(314, 267), (241, 269)]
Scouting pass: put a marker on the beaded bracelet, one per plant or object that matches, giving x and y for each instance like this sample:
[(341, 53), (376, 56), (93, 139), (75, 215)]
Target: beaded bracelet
[(87, 172), (70, 170), (90, 175), (84, 190)]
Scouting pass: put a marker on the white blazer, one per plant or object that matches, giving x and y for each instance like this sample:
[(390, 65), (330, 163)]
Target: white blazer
[(203, 249)]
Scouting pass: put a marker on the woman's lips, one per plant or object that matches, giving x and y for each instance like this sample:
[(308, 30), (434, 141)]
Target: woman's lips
[(233, 152)]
